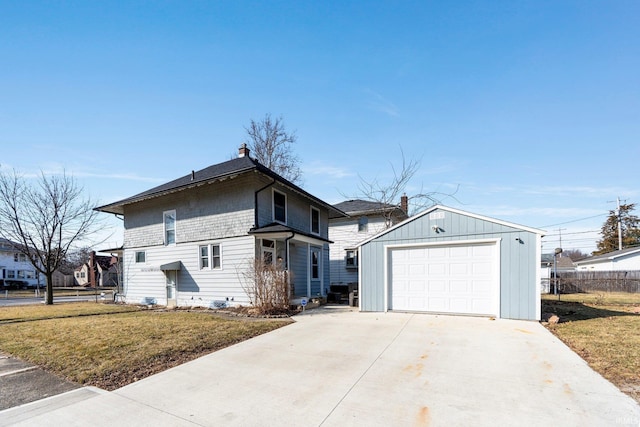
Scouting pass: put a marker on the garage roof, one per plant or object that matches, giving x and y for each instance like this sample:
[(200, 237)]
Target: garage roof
[(457, 211)]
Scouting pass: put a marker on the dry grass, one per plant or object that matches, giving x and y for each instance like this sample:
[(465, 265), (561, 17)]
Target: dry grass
[(39, 312), (605, 332), (112, 350), (598, 298)]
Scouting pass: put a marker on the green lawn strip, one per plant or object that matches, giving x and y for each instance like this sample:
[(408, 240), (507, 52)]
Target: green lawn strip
[(115, 350), (41, 312), (607, 337)]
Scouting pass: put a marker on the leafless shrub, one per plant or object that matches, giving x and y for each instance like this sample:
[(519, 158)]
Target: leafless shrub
[(267, 287)]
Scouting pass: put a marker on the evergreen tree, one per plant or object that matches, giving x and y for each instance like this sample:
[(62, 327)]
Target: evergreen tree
[(609, 231)]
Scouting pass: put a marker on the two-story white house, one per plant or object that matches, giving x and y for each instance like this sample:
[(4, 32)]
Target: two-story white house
[(15, 269), (188, 242), (365, 219)]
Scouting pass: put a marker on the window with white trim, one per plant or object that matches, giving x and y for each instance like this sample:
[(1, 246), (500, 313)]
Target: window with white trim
[(210, 257), (352, 259), (141, 256), (363, 224), (204, 256), (11, 274), (18, 257), (315, 220), (22, 274), (216, 256), (169, 227), (279, 207), (315, 264)]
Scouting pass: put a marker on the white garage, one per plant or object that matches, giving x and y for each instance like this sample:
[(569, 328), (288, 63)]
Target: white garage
[(444, 260), (455, 278)]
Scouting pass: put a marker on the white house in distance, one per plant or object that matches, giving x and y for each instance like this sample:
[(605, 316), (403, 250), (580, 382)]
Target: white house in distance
[(15, 269), (623, 260), (365, 219), (188, 242)]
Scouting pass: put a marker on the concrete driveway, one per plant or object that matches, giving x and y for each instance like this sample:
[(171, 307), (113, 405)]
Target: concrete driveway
[(336, 368)]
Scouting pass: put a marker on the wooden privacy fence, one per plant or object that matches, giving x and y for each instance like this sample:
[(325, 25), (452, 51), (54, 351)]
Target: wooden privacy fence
[(597, 281)]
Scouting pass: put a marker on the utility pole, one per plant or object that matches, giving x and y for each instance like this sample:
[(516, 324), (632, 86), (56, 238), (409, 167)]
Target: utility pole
[(560, 234), (619, 215)]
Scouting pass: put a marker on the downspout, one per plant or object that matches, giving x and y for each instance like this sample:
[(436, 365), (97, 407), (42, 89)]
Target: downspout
[(255, 202), (286, 260)]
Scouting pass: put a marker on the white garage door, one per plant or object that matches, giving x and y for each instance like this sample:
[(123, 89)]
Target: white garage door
[(445, 279)]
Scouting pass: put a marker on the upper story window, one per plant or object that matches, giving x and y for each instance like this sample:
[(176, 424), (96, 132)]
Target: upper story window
[(17, 257), (315, 221), (279, 207), (169, 227), (141, 256), (363, 224)]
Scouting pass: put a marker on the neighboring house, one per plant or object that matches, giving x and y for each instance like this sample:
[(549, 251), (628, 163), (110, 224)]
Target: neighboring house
[(365, 219), (15, 269), (104, 270), (445, 260), (561, 264), (191, 241), (623, 260), (63, 278)]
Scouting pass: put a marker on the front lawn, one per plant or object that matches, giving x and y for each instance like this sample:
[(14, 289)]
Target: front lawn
[(605, 331), (110, 350)]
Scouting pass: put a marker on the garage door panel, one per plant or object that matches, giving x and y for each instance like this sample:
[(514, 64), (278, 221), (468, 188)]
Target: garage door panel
[(459, 286), (436, 269), (435, 286), (447, 279), (458, 269)]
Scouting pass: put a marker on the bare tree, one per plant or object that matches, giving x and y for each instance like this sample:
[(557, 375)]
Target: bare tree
[(271, 145), (387, 194), (44, 219)]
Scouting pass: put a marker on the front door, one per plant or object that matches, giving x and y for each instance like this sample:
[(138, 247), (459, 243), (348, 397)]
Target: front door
[(171, 287)]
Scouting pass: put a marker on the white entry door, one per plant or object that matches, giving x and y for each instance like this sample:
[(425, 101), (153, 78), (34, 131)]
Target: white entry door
[(445, 279), (171, 276)]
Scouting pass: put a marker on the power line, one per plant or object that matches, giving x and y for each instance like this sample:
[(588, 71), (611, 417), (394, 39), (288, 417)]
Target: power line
[(575, 220)]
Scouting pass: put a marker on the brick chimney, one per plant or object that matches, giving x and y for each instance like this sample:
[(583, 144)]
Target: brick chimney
[(92, 269), (404, 203), (244, 151)]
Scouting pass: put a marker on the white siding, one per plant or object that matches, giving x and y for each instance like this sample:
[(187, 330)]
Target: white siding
[(623, 263), (344, 234), (195, 287), (8, 263)]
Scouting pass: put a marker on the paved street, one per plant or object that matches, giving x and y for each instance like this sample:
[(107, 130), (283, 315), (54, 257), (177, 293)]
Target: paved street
[(4, 302)]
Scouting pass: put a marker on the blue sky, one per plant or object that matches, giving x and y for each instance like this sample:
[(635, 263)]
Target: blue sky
[(530, 108)]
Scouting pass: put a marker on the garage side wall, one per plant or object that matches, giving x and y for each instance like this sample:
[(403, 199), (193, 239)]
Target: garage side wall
[(519, 296)]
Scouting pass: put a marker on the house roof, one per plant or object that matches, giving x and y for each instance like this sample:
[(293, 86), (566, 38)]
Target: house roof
[(453, 210), (218, 172), (359, 207), (561, 261), (609, 256)]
